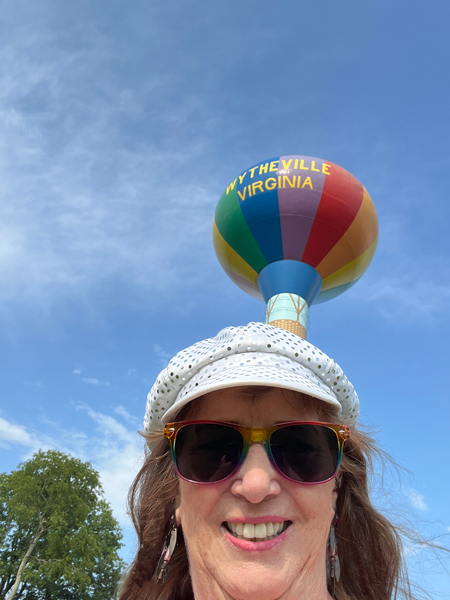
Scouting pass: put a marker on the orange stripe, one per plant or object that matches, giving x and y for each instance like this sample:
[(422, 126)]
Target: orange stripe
[(352, 271), (358, 238)]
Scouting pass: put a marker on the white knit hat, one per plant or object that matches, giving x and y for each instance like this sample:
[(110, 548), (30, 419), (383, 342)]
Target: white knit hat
[(255, 354)]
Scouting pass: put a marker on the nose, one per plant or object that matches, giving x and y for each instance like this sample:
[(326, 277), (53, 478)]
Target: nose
[(256, 479)]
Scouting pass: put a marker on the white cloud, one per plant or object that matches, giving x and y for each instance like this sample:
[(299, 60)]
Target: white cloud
[(411, 548), (105, 187), (94, 381), (122, 411), (164, 356), (11, 433), (404, 296), (76, 372), (87, 207), (417, 500), (114, 451)]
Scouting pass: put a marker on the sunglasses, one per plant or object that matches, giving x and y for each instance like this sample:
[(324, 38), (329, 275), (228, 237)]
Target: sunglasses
[(212, 451)]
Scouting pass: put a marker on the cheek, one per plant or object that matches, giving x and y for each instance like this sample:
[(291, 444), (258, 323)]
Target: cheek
[(315, 513), (196, 511), (316, 505)]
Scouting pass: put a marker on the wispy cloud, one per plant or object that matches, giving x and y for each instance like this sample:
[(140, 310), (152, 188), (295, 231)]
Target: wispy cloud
[(164, 356), (94, 381), (122, 411), (34, 384), (411, 548), (404, 297), (102, 213), (76, 372), (115, 451), (11, 433), (108, 185), (416, 500)]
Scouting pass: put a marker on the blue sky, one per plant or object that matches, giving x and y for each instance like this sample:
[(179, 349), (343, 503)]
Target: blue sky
[(120, 126)]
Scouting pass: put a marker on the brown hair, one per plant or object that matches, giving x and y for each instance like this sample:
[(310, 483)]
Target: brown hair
[(369, 545)]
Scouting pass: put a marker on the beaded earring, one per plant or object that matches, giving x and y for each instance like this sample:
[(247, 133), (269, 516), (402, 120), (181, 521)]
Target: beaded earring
[(170, 541)]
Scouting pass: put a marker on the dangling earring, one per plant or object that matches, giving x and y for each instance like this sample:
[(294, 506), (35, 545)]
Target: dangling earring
[(333, 564), (162, 568)]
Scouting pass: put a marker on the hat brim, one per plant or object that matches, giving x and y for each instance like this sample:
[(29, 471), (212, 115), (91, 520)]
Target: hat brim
[(205, 382)]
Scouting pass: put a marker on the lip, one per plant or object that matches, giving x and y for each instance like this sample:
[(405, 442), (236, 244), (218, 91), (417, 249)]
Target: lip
[(257, 520), (263, 546)]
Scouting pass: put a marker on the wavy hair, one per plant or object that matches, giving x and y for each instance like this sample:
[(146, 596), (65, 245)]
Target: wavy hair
[(369, 546)]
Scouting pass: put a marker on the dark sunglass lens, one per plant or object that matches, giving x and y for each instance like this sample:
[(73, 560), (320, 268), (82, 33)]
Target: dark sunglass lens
[(307, 453), (206, 452)]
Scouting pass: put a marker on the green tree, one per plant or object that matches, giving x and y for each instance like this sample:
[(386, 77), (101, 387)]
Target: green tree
[(58, 537)]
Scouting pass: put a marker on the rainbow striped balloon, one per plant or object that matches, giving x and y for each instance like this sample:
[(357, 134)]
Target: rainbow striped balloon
[(295, 224)]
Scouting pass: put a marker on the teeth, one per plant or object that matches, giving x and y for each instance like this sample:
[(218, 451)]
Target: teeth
[(259, 532)]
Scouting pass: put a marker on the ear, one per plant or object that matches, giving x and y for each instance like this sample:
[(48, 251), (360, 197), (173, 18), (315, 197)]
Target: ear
[(334, 497), (177, 502), (335, 493)]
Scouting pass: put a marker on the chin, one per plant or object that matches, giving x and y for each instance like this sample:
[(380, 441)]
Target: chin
[(260, 586), (255, 578)]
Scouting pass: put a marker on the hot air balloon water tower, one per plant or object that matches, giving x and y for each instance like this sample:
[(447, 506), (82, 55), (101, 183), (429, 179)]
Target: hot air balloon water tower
[(295, 231)]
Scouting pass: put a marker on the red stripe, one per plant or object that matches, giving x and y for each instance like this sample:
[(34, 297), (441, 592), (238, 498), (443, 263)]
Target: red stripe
[(340, 202)]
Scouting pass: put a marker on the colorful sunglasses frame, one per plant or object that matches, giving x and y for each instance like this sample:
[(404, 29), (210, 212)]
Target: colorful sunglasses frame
[(253, 435)]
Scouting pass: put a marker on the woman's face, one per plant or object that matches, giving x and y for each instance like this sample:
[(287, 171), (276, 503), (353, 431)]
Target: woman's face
[(291, 565)]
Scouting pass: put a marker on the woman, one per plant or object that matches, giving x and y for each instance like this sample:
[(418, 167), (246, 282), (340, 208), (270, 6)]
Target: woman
[(266, 491)]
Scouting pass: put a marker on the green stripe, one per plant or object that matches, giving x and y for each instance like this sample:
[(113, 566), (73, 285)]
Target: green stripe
[(234, 230)]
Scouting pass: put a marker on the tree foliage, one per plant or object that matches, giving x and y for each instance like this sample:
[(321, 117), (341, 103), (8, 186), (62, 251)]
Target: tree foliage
[(58, 536)]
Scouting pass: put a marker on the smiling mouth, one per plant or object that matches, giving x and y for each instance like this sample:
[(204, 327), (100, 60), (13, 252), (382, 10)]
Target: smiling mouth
[(260, 532)]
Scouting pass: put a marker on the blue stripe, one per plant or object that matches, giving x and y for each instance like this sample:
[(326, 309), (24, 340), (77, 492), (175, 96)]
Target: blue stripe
[(261, 209)]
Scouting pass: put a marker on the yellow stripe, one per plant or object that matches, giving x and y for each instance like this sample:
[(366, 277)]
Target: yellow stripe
[(230, 259), (351, 271), (355, 241)]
